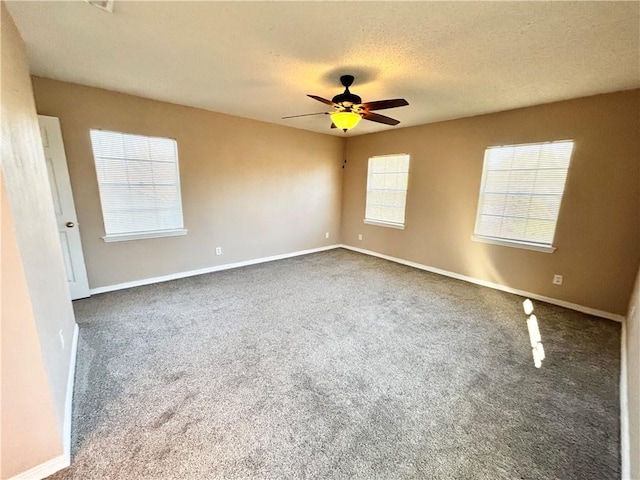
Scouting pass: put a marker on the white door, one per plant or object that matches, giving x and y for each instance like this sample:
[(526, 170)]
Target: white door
[(64, 206)]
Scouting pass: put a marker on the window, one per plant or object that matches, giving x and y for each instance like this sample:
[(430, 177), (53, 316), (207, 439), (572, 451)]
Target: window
[(387, 190), (139, 185), (521, 193)]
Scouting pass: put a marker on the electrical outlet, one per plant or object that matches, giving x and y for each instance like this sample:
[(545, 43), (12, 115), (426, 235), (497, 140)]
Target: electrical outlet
[(326, 235), (218, 250), (557, 279), (61, 338), (359, 236)]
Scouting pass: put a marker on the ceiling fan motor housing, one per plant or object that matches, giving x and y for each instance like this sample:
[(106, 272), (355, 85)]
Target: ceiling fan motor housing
[(347, 99)]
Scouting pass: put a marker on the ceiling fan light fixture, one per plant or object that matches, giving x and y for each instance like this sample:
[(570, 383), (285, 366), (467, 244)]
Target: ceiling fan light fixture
[(348, 108), (345, 120)]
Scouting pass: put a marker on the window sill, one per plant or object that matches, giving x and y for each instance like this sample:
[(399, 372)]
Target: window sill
[(536, 247), (125, 237), (380, 223)]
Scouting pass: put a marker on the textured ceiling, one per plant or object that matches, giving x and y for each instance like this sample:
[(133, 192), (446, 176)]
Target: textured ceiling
[(260, 59)]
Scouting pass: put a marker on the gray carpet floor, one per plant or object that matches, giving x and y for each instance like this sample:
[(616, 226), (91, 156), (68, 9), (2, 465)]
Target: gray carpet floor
[(339, 365)]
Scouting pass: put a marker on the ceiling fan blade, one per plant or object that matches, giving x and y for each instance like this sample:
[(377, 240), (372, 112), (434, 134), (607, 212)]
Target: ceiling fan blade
[(374, 117), (323, 100), (306, 115), (382, 104)]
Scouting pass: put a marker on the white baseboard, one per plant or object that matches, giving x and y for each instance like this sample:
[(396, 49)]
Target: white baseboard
[(61, 461), (625, 447), (44, 469), (484, 283), (496, 286), (68, 403), (217, 268)]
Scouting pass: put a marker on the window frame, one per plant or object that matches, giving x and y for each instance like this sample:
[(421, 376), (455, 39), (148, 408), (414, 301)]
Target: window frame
[(383, 223), (142, 234), (523, 244)]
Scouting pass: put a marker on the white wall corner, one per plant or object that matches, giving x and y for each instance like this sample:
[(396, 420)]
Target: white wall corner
[(68, 403), (625, 452)]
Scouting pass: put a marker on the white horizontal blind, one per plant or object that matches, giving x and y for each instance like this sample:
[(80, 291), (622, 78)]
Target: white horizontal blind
[(139, 182), (521, 191), (387, 189)]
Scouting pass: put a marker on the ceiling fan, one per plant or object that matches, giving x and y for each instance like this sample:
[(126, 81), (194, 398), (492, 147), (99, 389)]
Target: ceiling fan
[(348, 108)]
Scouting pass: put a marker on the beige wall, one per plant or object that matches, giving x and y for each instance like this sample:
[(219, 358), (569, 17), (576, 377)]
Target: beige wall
[(633, 378), (252, 188), (29, 426), (35, 297), (598, 233)]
